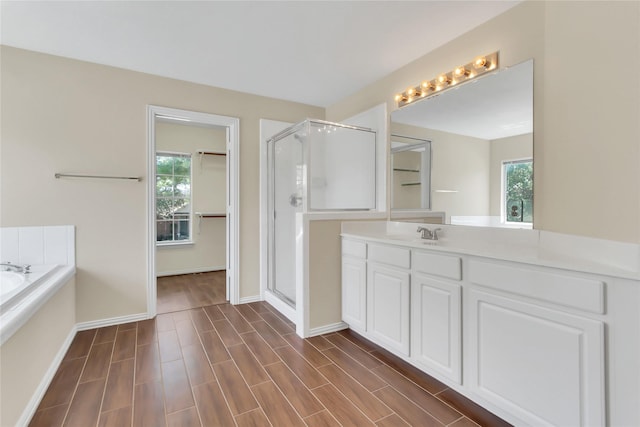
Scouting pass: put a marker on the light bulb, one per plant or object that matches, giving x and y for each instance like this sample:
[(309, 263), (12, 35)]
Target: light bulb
[(480, 62), (398, 97), (461, 72), (444, 80), (411, 91)]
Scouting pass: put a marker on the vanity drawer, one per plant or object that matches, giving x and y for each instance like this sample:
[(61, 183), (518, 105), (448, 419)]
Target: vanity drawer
[(354, 248), (391, 255), (437, 265), (548, 285)]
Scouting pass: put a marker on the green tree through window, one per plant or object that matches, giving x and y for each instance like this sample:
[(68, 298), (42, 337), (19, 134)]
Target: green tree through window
[(173, 197), (518, 196)]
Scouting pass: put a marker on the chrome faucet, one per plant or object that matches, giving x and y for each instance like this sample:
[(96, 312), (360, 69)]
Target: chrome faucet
[(7, 266), (429, 234)]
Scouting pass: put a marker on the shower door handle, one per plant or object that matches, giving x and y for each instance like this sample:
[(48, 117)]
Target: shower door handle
[(295, 200)]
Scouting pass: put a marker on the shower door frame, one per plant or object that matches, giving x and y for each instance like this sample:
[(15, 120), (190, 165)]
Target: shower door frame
[(299, 314), (291, 309)]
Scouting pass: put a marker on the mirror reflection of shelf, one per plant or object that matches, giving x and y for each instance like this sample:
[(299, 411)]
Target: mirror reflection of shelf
[(201, 215)]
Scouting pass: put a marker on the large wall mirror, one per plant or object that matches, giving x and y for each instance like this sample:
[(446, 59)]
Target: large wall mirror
[(468, 152)]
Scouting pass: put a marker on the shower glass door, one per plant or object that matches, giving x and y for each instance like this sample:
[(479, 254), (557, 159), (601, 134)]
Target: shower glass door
[(287, 174)]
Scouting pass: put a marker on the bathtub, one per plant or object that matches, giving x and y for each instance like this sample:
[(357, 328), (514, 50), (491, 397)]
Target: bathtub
[(21, 295), (14, 286)]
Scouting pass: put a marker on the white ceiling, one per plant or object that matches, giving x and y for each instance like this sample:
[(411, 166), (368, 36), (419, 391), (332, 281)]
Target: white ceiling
[(311, 52)]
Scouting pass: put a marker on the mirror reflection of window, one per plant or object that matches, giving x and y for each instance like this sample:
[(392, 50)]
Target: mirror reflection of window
[(517, 195)]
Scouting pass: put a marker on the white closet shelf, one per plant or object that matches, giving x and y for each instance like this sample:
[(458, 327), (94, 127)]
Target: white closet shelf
[(211, 214), (201, 215), (211, 153)]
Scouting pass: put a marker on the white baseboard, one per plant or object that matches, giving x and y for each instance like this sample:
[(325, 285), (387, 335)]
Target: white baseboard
[(246, 300), (327, 329), (32, 406), (111, 321), (190, 271), (38, 394)]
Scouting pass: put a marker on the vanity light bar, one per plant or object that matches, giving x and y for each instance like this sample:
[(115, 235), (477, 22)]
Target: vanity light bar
[(478, 67)]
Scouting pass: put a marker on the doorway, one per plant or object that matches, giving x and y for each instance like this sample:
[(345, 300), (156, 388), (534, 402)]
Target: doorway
[(186, 221)]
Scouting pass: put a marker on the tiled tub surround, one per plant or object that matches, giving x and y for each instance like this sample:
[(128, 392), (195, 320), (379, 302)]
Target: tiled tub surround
[(37, 323), (51, 253), (540, 328)]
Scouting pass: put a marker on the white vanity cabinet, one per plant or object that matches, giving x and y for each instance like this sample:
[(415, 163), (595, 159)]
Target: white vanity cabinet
[(354, 284), (535, 343), (388, 291), (436, 317), (539, 328)]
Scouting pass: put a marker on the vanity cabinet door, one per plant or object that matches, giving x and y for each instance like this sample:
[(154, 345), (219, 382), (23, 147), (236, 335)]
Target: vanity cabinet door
[(354, 293), (436, 329), (388, 307), (542, 365)]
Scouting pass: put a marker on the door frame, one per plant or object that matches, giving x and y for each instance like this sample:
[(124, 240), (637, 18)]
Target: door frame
[(232, 124)]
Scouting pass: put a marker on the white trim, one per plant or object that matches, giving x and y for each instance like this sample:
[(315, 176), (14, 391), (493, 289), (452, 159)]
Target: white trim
[(233, 196), (120, 320), (151, 209), (348, 215), (302, 276), (31, 408), (173, 243), (246, 300), (327, 329), (233, 208), (191, 271)]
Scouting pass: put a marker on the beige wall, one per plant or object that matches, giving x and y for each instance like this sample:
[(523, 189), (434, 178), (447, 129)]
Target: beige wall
[(325, 280), (62, 115), (586, 127), (29, 353), (587, 164), (208, 193), (511, 148)]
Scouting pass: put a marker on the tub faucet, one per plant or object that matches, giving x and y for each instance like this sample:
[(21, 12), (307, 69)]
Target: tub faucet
[(7, 266), (429, 234)]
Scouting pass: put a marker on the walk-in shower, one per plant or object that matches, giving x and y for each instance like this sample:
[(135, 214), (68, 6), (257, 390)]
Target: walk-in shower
[(313, 166)]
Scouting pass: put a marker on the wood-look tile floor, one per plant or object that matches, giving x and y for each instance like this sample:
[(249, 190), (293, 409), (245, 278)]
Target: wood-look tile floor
[(188, 291), (241, 366)]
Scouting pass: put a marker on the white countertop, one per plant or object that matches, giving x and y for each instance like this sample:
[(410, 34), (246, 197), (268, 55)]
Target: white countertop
[(533, 247)]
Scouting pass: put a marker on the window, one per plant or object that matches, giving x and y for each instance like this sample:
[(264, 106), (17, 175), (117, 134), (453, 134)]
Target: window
[(517, 196), (173, 197)]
